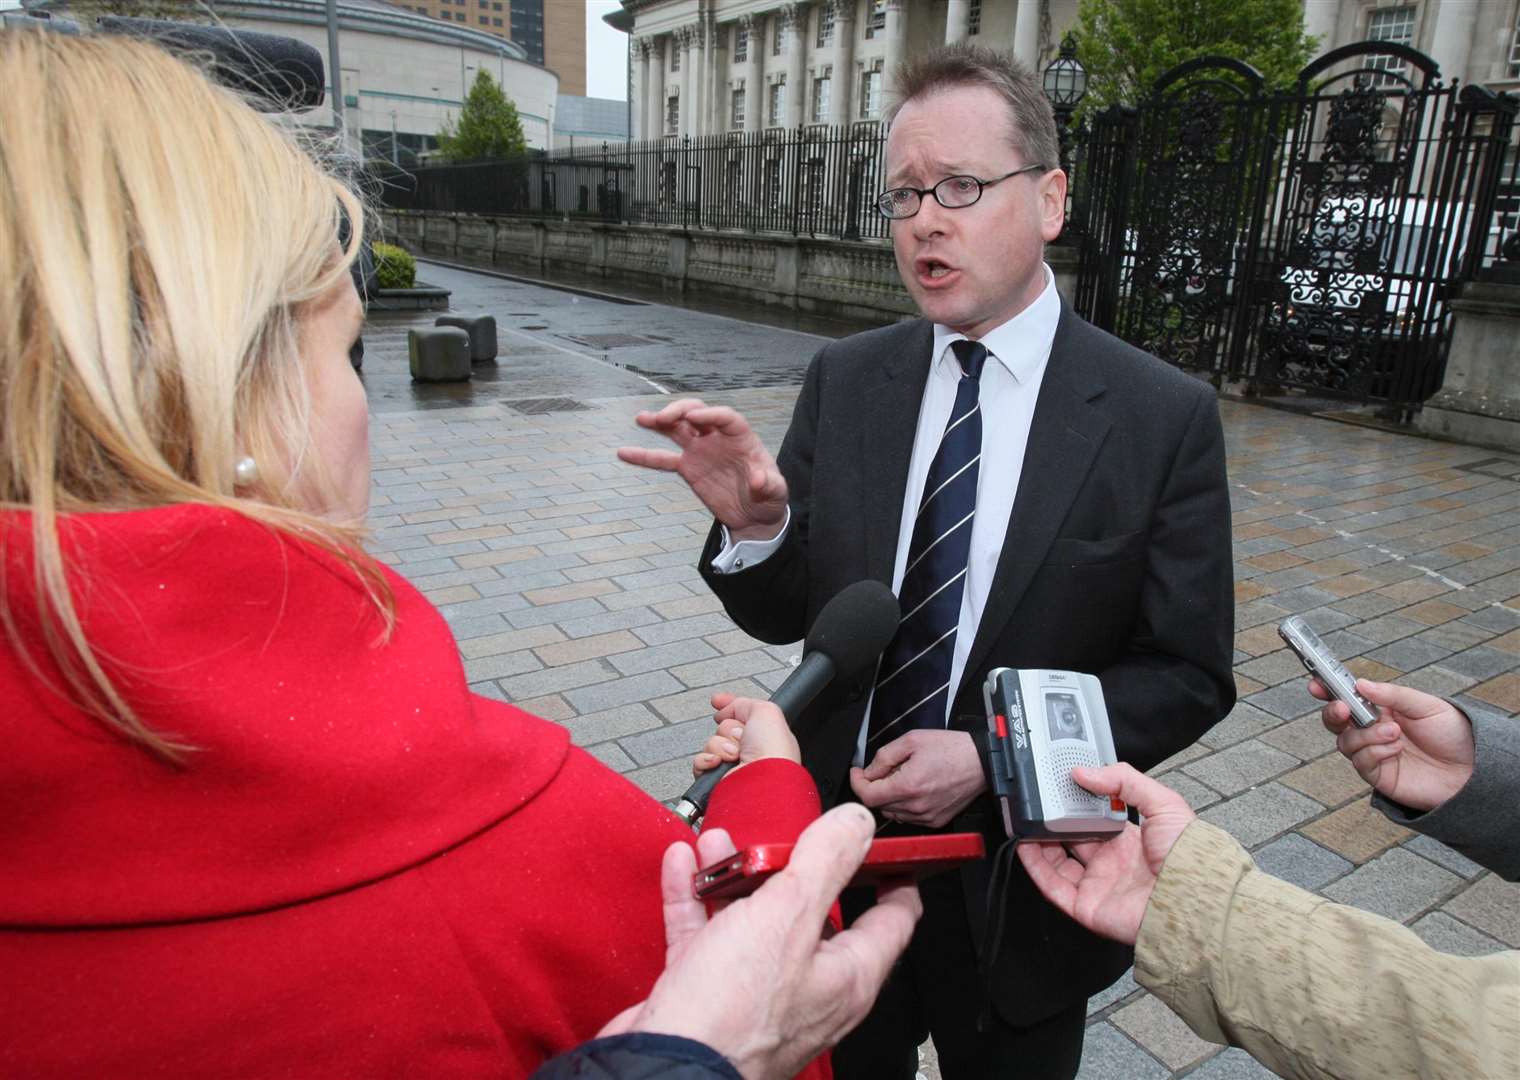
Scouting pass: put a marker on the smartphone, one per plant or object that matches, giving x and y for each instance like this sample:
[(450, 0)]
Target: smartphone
[(890, 858), (1323, 665)]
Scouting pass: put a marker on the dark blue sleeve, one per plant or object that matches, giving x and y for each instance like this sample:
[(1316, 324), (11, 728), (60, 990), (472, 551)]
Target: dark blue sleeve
[(638, 1056)]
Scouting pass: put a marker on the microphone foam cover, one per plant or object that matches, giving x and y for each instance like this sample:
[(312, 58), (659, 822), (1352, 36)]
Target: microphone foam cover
[(281, 72), (854, 627)]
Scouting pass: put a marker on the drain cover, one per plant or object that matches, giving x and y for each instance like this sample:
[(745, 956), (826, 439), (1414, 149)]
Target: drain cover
[(538, 406), (1501, 468), (607, 341)]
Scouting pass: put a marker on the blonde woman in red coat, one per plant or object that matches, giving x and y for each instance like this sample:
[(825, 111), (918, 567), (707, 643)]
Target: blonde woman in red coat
[(252, 821)]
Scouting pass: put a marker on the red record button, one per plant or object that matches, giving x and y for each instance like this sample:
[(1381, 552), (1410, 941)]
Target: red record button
[(1002, 726), (1117, 805)]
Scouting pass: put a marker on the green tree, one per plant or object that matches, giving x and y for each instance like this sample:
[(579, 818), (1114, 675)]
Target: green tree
[(488, 127), (1127, 44)]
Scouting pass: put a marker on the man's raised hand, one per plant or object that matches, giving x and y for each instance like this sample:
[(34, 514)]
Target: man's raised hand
[(723, 462)]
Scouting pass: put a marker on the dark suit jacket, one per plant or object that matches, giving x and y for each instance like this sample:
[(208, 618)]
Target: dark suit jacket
[(1116, 562)]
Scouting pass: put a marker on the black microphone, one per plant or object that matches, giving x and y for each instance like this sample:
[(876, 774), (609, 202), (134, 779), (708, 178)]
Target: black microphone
[(847, 637), (281, 72)]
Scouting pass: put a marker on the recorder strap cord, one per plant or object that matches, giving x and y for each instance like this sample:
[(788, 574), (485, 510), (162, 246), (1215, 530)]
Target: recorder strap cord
[(997, 912)]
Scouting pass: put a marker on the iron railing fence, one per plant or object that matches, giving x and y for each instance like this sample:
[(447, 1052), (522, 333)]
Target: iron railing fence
[(815, 181)]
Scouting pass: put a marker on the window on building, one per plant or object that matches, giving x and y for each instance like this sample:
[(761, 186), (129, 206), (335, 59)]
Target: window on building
[(495, 7), (672, 114), (484, 3), (736, 111), (772, 181), (485, 20), (974, 17), (870, 95), (1395, 25), (820, 99), (675, 56), (495, 21), (825, 26), (741, 44), (778, 101), (876, 21), (1514, 50), (778, 31)]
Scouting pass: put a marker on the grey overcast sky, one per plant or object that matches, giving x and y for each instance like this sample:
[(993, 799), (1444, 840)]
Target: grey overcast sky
[(606, 52)]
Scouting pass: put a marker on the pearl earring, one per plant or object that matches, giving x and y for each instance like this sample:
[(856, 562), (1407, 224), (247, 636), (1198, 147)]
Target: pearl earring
[(246, 471)]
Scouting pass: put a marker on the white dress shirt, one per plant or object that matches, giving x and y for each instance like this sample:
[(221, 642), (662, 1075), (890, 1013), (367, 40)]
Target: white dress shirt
[(1010, 384)]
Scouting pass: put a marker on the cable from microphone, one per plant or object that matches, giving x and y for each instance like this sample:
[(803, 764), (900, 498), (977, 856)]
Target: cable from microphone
[(847, 637)]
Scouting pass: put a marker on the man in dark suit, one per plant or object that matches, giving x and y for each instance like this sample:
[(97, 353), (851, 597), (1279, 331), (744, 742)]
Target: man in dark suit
[(1038, 493)]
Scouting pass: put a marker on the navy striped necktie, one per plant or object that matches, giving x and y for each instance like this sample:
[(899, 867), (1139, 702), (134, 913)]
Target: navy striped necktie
[(913, 682)]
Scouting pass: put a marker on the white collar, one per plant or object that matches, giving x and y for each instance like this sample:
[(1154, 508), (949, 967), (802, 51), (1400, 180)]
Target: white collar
[(1022, 344)]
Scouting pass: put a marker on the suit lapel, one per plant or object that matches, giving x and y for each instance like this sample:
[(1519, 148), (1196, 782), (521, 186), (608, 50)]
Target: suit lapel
[(889, 411), (1064, 438)]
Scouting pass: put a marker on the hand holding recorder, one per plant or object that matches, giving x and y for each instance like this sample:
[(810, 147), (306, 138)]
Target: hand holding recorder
[(1106, 884), (1419, 754)]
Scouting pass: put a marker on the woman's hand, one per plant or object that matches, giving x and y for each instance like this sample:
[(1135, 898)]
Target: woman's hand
[(748, 730)]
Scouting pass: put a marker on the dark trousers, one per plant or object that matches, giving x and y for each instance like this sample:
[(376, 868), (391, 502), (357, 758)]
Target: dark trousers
[(936, 989)]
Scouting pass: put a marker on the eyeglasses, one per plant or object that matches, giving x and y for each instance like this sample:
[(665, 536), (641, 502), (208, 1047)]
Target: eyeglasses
[(953, 193)]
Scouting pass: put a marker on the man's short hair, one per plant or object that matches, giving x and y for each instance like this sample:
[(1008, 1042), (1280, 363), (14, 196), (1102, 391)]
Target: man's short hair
[(1032, 124)]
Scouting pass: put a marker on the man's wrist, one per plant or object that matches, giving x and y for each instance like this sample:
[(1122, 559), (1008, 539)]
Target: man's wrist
[(764, 531)]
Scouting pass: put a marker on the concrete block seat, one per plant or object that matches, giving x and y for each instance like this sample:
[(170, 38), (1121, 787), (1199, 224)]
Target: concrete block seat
[(482, 331), (439, 354)]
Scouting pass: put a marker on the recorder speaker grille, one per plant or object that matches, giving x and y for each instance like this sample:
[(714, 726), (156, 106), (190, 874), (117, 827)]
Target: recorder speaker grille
[(1064, 759)]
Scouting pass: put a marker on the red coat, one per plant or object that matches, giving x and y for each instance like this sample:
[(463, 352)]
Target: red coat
[(364, 870)]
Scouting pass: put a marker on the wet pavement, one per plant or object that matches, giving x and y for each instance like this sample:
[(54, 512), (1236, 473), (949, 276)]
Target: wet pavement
[(570, 583), (558, 342)]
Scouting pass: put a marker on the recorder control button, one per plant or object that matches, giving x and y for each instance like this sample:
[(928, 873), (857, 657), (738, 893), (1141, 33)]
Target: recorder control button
[(1002, 726), (1117, 806)]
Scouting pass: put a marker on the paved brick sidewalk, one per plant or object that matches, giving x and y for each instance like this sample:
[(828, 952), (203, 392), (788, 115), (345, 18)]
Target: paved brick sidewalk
[(569, 580)]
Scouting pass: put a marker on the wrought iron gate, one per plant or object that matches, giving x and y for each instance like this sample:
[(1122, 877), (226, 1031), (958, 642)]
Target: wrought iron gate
[(1309, 239)]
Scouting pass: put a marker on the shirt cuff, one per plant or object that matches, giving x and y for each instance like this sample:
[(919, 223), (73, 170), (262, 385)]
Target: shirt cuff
[(737, 556)]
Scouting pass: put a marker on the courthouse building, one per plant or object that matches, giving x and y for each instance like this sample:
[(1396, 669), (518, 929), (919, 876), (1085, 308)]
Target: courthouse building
[(704, 67)]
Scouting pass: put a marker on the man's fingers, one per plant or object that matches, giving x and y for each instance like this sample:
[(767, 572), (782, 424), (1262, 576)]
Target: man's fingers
[(826, 856), (887, 759), (1403, 699), (1047, 870), (650, 458), (670, 415), (685, 915), (722, 700), (862, 956), (714, 845), (1134, 787), (1351, 738)]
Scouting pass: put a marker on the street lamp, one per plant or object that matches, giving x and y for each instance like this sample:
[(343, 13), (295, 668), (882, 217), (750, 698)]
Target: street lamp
[(1065, 84)]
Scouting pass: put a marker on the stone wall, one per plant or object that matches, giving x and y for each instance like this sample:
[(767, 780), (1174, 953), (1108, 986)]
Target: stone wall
[(828, 277)]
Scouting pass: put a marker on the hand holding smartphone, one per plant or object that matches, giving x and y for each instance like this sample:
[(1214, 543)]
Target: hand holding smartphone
[(1323, 665), (890, 858)]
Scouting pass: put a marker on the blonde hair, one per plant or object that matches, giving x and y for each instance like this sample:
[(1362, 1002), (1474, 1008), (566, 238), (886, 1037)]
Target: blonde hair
[(160, 241)]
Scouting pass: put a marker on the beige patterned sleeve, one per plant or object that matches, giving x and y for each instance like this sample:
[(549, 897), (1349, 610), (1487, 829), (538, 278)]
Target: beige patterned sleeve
[(1313, 988)]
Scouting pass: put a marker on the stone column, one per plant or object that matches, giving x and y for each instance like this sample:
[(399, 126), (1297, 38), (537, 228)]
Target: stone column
[(683, 41), (754, 72), (1451, 44), (957, 14), (700, 76), (717, 76), (843, 88), (640, 92), (1026, 33), (896, 34), (796, 16), (1320, 17), (654, 118)]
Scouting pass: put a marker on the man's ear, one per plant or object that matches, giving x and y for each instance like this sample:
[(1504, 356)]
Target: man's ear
[(1052, 204)]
